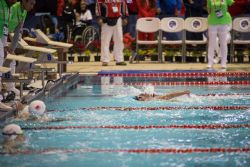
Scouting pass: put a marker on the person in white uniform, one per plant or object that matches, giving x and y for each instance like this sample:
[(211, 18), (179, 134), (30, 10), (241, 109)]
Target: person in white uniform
[(111, 15)]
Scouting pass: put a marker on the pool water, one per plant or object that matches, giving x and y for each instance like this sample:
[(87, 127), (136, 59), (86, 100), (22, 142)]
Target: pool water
[(81, 140)]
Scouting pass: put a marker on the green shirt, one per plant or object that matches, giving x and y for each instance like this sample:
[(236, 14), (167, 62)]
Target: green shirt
[(4, 16), (215, 6), (18, 15)]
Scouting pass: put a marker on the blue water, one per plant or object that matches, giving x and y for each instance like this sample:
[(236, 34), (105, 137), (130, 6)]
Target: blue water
[(68, 106)]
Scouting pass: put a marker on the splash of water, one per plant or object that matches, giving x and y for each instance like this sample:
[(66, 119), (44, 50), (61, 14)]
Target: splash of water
[(148, 89)]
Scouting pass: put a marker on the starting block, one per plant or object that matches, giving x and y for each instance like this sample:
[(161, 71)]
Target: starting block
[(20, 58), (42, 38), (24, 45), (4, 69)]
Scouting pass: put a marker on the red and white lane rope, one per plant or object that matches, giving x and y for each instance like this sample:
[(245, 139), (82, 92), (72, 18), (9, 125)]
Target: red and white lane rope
[(158, 108), (141, 127), (210, 94), (137, 151), (180, 74), (224, 94), (189, 83)]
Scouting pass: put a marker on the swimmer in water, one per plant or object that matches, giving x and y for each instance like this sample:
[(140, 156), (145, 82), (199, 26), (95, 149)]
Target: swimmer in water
[(13, 138), (36, 111), (148, 97)]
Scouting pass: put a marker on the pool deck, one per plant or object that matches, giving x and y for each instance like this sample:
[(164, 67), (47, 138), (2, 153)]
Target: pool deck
[(95, 67)]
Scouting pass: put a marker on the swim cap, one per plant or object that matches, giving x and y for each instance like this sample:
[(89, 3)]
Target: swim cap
[(37, 108), (12, 129)]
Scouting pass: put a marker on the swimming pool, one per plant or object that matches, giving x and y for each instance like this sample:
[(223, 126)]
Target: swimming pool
[(105, 126)]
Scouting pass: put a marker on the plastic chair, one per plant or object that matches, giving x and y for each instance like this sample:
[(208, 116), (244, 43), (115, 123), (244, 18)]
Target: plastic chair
[(241, 25), (172, 25), (195, 25), (147, 25)]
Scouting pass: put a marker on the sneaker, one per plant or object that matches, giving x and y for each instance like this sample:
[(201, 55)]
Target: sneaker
[(122, 63), (105, 64)]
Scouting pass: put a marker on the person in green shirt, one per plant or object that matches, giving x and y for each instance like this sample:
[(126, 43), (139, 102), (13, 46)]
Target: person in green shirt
[(219, 23), (18, 14), (4, 21)]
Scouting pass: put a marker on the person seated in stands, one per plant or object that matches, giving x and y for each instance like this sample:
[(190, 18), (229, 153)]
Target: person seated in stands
[(51, 29), (83, 15), (13, 138), (148, 97)]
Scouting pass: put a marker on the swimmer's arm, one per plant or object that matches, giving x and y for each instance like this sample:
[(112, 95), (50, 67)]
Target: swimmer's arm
[(173, 95)]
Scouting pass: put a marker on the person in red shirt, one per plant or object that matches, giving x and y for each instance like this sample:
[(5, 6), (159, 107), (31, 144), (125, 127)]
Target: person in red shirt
[(239, 7), (111, 15), (147, 9)]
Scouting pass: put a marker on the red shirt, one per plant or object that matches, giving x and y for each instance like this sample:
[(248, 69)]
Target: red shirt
[(60, 5), (132, 6), (145, 9), (111, 8), (239, 7)]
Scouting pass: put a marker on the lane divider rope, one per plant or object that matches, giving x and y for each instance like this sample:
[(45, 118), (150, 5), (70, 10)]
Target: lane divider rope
[(138, 151), (180, 74), (189, 83), (157, 108), (210, 94), (225, 94), (141, 127)]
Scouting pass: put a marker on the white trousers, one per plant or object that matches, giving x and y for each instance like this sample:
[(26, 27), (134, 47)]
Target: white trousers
[(1, 54), (222, 32), (9, 85), (107, 32)]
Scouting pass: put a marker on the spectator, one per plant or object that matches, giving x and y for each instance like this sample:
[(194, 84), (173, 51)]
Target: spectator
[(147, 9), (240, 7), (83, 16), (60, 5), (170, 8), (219, 21), (110, 16), (133, 11), (91, 6), (194, 8)]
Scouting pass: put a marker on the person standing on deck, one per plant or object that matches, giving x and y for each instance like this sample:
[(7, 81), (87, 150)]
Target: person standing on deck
[(219, 21), (111, 15), (18, 14), (4, 22)]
